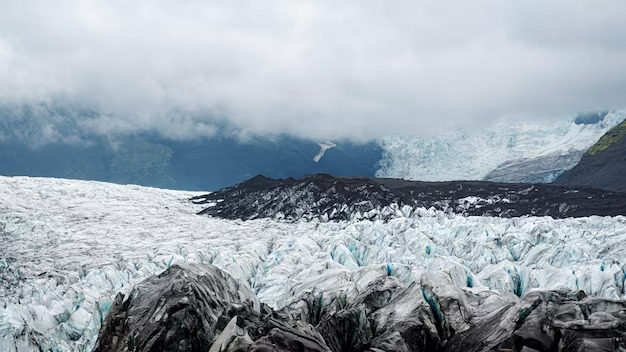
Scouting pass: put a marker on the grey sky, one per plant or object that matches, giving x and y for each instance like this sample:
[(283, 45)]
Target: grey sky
[(321, 69)]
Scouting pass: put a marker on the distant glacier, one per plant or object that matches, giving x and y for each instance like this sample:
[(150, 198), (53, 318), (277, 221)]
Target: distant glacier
[(511, 151)]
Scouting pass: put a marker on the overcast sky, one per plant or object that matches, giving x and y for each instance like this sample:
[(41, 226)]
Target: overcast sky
[(321, 69)]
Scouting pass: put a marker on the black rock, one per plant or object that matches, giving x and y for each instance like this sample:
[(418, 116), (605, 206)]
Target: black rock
[(406, 322), (286, 336), (177, 310), (337, 198), (560, 321), (346, 330), (201, 308)]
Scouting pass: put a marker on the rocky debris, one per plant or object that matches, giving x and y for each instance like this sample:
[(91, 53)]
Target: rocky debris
[(280, 335), (177, 310), (549, 321), (201, 308), (406, 320), (327, 197)]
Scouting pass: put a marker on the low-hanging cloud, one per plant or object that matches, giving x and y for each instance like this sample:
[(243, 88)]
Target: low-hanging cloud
[(318, 69)]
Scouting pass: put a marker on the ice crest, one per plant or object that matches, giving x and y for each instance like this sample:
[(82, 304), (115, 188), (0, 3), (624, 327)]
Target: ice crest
[(68, 247)]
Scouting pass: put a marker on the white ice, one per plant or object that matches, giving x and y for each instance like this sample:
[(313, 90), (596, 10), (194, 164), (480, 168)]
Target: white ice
[(471, 155), (67, 247)]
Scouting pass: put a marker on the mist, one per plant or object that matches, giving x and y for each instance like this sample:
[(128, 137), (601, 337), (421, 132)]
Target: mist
[(319, 70)]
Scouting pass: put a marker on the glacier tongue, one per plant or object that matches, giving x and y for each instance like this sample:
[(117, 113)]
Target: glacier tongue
[(511, 151), (68, 247)]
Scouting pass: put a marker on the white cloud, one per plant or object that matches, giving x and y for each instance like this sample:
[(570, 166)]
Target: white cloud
[(357, 69)]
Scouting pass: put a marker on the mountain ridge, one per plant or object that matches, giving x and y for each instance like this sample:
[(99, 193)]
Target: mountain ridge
[(328, 197), (64, 139), (603, 165)]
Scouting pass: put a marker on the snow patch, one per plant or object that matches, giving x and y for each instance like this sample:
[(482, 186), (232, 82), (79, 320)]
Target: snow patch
[(323, 148)]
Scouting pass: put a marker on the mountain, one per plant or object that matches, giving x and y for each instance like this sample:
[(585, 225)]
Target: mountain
[(61, 139), (603, 165), (88, 264), (203, 164), (327, 197), (52, 140)]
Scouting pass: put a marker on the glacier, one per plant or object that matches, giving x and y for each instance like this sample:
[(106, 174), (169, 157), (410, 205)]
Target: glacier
[(68, 247), (508, 151)]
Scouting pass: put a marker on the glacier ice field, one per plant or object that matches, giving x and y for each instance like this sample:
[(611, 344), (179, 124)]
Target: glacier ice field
[(68, 247), (473, 154)]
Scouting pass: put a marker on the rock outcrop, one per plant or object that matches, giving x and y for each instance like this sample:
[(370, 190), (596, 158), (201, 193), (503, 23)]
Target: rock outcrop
[(549, 321), (177, 310), (328, 197), (201, 308)]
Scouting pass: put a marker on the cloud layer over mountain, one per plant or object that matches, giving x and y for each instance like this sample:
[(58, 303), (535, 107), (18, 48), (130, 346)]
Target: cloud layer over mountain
[(317, 69)]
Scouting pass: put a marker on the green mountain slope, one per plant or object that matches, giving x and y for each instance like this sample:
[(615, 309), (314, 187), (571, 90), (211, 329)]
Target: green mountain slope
[(603, 165)]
